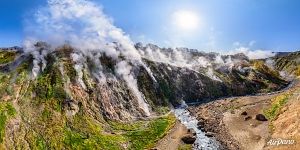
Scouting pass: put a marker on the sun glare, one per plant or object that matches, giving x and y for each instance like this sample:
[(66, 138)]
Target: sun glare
[(186, 20)]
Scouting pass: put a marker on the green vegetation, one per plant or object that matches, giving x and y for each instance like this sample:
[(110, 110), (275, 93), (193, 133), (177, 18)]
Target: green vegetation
[(119, 126), (7, 56), (276, 105), (274, 110), (6, 111), (289, 63), (85, 133), (76, 140), (144, 134), (186, 147), (146, 137), (297, 71), (260, 66), (50, 87), (4, 83), (69, 70)]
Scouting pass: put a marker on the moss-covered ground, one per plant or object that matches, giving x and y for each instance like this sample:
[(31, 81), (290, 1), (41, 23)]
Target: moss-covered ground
[(7, 56)]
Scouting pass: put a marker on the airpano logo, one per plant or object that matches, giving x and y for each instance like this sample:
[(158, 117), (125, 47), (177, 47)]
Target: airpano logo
[(279, 141)]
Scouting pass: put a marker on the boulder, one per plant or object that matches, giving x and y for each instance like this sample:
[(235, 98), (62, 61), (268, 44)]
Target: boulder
[(192, 131), (244, 113), (189, 139), (247, 118), (261, 117), (200, 124), (209, 134)]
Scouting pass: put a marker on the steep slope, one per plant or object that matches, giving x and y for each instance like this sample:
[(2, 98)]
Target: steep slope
[(288, 63), (66, 99)]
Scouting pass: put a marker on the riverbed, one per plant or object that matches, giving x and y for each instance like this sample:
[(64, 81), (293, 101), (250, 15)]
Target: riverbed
[(202, 142)]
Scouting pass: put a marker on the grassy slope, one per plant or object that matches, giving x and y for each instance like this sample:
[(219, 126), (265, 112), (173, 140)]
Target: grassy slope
[(7, 56), (47, 127)]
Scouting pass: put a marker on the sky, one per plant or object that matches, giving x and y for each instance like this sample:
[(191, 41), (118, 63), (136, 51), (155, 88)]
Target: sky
[(221, 24)]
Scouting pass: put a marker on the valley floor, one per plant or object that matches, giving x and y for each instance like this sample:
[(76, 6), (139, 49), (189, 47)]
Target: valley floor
[(233, 120), (172, 141)]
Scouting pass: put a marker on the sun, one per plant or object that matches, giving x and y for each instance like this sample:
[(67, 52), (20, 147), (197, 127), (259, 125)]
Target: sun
[(186, 20)]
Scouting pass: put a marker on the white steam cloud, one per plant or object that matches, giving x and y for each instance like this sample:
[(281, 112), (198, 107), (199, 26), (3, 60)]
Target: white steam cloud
[(83, 25), (175, 57), (79, 60), (253, 54), (38, 53), (123, 69)]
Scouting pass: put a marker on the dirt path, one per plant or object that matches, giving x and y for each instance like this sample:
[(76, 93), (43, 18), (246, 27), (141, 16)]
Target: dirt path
[(172, 140)]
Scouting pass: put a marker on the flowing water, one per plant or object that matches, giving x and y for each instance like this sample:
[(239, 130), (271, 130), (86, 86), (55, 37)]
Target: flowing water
[(202, 142)]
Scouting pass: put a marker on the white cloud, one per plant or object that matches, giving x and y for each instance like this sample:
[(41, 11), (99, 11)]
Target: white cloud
[(81, 23), (253, 54), (252, 43)]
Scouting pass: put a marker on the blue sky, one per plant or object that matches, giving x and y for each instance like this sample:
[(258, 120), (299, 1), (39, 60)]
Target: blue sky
[(225, 24)]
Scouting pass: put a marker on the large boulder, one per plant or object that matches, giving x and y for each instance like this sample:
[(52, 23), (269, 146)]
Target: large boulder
[(189, 139), (261, 117)]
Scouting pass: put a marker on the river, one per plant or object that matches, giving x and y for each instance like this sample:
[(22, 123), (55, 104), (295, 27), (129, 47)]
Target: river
[(202, 141)]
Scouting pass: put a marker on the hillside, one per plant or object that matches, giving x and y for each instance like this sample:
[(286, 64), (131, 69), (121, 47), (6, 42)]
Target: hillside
[(66, 98), (233, 121)]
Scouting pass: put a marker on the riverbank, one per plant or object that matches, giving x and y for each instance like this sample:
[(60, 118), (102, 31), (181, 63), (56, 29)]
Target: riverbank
[(172, 141), (232, 121)]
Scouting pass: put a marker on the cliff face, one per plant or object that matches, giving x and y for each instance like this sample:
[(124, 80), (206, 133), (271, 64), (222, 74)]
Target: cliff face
[(67, 96), (288, 63)]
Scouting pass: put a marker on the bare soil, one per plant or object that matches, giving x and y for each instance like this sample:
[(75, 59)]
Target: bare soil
[(172, 140), (236, 131)]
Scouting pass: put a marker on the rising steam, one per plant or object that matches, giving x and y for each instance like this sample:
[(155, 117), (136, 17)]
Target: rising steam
[(83, 25)]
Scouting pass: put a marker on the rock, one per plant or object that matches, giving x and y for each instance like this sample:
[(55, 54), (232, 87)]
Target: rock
[(209, 134), (244, 113), (192, 131), (261, 117), (200, 124), (189, 139), (70, 107), (247, 118)]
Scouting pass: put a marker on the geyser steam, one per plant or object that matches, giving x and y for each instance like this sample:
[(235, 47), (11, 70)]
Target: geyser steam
[(83, 25)]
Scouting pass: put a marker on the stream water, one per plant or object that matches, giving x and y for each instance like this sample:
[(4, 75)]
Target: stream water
[(202, 141)]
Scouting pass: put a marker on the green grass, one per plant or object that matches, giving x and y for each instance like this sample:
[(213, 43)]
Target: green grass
[(76, 140), (4, 83), (6, 111), (147, 137), (276, 105), (185, 147), (40, 144), (118, 126), (85, 133), (7, 56), (274, 110)]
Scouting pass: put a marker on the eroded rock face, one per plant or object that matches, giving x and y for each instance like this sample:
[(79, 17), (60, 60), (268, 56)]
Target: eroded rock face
[(108, 94), (178, 84)]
